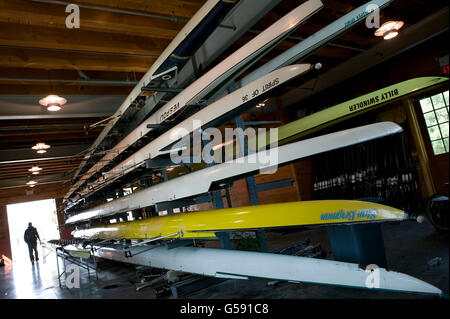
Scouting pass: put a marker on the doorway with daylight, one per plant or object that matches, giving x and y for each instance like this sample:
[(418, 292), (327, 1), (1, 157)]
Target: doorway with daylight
[(42, 214)]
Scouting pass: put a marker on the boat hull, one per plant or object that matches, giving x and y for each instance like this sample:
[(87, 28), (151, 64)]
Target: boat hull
[(234, 264), (201, 181), (204, 224)]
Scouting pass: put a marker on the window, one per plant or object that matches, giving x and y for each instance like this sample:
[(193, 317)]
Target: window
[(435, 113)]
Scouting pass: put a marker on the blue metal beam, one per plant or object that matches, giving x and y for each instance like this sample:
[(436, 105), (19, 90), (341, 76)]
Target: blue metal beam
[(275, 184)]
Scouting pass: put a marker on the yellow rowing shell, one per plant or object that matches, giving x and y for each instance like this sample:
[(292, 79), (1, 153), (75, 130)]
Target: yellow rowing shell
[(203, 224)]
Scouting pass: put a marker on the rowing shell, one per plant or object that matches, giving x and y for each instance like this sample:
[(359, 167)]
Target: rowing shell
[(214, 114), (174, 57), (233, 264), (219, 76), (200, 182), (203, 224), (354, 107)]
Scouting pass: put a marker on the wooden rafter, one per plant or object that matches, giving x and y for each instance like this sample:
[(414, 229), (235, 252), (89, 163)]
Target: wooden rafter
[(175, 8), (12, 34), (54, 16), (67, 60)]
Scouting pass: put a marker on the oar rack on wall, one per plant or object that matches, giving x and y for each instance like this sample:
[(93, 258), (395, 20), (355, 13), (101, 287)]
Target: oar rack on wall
[(382, 169)]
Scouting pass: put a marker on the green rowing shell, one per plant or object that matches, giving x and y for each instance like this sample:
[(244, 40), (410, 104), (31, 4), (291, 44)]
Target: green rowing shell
[(351, 108)]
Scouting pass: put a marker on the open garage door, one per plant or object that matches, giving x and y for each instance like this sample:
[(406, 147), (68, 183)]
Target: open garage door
[(42, 214)]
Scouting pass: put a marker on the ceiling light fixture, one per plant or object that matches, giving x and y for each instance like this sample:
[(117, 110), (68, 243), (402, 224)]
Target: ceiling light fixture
[(263, 103), (41, 148), (31, 183), (389, 29), (53, 102), (35, 170)]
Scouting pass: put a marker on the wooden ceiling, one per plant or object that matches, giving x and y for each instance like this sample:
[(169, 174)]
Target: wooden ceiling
[(34, 37), (49, 167), (37, 51), (18, 134), (118, 42)]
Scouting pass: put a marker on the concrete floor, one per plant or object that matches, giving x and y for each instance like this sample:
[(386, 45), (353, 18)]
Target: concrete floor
[(409, 248)]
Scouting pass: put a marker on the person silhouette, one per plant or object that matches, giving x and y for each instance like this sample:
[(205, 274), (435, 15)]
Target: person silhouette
[(31, 236)]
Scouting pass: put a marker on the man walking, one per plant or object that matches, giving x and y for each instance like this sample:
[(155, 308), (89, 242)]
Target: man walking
[(31, 236)]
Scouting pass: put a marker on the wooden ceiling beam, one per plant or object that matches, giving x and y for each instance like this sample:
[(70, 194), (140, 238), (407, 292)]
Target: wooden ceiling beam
[(51, 121), (57, 75), (25, 174), (67, 133), (12, 34), (176, 8), (43, 164), (55, 135), (42, 125), (67, 171), (66, 82), (18, 194), (45, 169), (20, 129), (54, 16), (27, 143), (39, 161), (50, 59), (54, 141), (40, 89), (30, 139)]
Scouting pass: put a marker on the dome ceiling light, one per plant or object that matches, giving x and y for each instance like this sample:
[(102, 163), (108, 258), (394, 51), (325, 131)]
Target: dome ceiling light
[(53, 102), (35, 170), (263, 103), (41, 148), (389, 29), (31, 183)]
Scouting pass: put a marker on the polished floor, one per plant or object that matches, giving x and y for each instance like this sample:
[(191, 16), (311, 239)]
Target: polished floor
[(412, 248), (40, 281)]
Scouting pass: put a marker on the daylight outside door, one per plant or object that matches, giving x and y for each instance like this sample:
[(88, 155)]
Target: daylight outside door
[(42, 214)]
